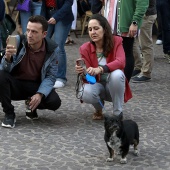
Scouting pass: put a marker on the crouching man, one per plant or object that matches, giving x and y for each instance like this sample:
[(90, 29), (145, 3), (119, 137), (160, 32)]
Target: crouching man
[(29, 71)]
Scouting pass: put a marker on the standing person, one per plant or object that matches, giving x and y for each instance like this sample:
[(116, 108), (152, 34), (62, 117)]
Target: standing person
[(146, 44), (35, 9), (59, 16), (125, 18), (31, 72), (2, 14), (104, 58), (163, 8)]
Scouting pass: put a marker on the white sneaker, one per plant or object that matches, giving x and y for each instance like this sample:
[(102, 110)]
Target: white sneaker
[(158, 42), (58, 84)]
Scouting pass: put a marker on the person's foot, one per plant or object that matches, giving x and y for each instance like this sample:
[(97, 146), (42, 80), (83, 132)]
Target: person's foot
[(135, 73), (58, 84), (140, 79), (98, 115), (167, 56), (158, 42), (9, 121), (32, 115)]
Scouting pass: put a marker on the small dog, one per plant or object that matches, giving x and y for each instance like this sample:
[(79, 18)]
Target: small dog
[(119, 135)]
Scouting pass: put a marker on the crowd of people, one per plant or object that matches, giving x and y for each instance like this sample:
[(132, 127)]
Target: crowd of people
[(39, 64)]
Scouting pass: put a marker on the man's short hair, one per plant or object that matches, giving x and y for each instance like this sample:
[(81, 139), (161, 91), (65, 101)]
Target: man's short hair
[(39, 19)]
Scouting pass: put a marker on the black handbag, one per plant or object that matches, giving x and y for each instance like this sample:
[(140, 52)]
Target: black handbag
[(7, 27)]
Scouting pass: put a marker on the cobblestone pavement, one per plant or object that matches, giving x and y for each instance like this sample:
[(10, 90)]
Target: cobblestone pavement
[(68, 139)]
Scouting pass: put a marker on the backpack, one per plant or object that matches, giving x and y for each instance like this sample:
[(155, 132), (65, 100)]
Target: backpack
[(7, 27)]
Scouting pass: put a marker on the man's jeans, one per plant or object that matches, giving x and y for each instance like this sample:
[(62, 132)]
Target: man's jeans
[(13, 89), (35, 10), (163, 7), (60, 32), (146, 44)]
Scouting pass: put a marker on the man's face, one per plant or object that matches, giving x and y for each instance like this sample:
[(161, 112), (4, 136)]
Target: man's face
[(35, 33)]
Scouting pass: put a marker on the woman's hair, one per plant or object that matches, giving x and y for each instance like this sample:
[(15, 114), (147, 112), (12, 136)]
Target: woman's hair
[(108, 37)]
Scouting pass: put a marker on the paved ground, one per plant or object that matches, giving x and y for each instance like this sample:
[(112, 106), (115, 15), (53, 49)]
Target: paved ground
[(68, 139)]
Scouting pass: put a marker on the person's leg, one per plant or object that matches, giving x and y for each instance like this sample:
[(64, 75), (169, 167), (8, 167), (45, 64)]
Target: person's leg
[(60, 35), (36, 8), (146, 43), (164, 8), (94, 94), (137, 58), (51, 102), (128, 48), (115, 89)]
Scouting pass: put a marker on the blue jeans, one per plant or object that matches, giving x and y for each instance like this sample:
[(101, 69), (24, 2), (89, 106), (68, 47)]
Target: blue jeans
[(35, 10), (163, 7), (60, 32)]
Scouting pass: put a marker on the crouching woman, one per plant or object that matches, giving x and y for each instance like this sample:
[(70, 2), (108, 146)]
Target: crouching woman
[(105, 59)]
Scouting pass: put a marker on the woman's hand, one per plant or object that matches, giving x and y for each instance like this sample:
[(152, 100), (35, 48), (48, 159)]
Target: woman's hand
[(79, 69), (94, 71)]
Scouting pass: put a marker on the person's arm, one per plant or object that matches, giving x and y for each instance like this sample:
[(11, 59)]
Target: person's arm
[(63, 10)]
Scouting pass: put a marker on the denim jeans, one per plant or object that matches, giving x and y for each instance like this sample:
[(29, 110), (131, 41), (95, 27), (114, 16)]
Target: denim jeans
[(112, 90), (163, 7), (60, 32), (35, 10)]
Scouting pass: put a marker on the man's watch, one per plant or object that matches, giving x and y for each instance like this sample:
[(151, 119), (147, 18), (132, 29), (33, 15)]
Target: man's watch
[(135, 23)]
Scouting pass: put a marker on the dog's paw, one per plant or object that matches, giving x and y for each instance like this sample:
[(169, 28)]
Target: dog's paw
[(109, 159), (123, 160), (136, 152)]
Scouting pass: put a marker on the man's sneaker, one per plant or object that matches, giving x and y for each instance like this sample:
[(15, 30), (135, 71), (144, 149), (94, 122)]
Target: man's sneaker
[(58, 84), (135, 73), (140, 79), (167, 56), (9, 121), (158, 42), (32, 115)]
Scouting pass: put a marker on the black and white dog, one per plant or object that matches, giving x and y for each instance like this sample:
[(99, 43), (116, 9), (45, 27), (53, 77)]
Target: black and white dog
[(119, 135)]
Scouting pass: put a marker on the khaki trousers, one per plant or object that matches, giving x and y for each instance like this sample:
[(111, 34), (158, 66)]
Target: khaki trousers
[(145, 64)]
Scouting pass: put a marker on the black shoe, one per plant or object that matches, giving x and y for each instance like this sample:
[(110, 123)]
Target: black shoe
[(32, 115), (9, 121), (140, 79), (135, 73)]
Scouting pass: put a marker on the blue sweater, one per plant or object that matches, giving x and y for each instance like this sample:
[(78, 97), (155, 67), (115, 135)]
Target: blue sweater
[(63, 12)]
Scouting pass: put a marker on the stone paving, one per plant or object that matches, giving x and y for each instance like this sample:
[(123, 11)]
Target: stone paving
[(68, 139)]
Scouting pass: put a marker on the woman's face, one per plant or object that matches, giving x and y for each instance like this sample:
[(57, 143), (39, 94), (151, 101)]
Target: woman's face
[(96, 31)]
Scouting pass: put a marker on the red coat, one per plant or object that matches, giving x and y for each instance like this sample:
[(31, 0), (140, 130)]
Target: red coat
[(115, 60)]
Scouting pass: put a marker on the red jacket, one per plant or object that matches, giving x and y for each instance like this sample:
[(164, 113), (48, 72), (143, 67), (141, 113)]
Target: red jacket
[(115, 60)]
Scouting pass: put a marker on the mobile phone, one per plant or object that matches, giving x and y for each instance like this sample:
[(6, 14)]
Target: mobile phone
[(12, 40)]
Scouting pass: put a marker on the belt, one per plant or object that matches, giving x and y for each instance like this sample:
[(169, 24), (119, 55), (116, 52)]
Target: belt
[(51, 8)]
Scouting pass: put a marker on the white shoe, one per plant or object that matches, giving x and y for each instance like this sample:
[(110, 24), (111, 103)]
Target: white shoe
[(158, 42), (58, 84)]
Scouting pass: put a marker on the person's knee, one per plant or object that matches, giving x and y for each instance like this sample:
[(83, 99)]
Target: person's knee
[(117, 76), (53, 101)]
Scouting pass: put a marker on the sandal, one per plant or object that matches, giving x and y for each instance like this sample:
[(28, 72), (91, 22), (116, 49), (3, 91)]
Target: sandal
[(69, 42), (98, 115)]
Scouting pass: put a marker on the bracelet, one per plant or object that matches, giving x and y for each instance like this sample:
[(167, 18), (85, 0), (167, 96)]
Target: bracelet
[(101, 69)]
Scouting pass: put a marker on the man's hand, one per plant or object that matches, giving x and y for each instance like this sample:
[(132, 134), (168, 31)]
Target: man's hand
[(133, 30), (10, 51), (52, 21), (35, 101)]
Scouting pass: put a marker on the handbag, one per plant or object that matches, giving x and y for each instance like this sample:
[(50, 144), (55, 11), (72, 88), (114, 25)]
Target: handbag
[(7, 27), (23, 5)]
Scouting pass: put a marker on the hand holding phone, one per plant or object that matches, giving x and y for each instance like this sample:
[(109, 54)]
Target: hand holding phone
[(11, 47)]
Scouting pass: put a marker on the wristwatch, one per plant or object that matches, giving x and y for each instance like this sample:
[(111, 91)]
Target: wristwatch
[(135, 23)]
